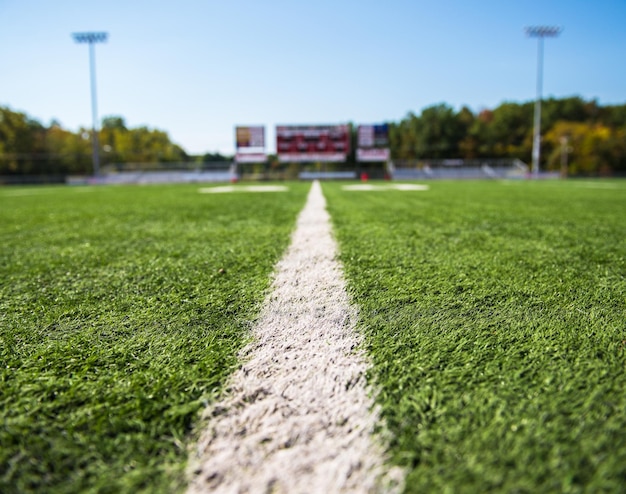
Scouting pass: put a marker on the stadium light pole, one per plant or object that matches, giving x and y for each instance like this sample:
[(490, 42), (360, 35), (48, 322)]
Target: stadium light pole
[(539, 32), (92, 38)]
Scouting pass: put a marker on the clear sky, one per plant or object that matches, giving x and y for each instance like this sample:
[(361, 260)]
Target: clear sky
[(198, 68)]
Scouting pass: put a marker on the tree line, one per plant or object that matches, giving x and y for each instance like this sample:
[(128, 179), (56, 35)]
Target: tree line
[(29, 148), (594, 137)]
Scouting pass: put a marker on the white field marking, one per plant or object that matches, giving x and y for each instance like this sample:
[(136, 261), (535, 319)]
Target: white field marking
[(574, 183), (298, 416), (41, 190), (596, 185), (243, 188), (366, 187), (27, 192)]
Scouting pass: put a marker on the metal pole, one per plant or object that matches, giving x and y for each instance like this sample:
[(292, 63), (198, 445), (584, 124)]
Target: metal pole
[(94, 111), (564, 150), (92, 38), (537, 124), (539, 32)]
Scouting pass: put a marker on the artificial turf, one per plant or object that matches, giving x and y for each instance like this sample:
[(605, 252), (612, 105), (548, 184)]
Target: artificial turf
[(121, 313), (493, 314), (495, 317)]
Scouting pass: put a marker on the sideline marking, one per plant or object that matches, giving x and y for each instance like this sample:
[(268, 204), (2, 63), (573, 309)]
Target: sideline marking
[(596, 185), (368, 187), (42, 190), (298, 414), (243, 188), (27, 192), (569, 183)]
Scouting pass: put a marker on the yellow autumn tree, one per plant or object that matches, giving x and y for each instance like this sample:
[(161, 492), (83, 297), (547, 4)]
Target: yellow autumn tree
[(590, 148)]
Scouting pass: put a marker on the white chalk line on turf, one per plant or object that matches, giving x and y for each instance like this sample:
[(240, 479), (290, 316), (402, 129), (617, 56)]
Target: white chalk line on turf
[(369, 187), (243, 188), (298, 416)]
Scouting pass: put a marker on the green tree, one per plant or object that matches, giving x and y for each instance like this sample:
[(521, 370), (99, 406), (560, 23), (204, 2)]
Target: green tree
[(511, 131), (68, 152), (213, 157), (468, 144), (113, 122), (22, 144), (137, 145), (440, 132)]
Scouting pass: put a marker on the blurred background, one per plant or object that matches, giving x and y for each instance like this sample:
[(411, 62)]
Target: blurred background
[(453, 79)]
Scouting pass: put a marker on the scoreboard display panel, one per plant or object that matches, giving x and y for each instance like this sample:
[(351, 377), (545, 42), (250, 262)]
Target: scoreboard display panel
[(308, 143), (250, 144), (250, 137), (373, 143), (373, 136)]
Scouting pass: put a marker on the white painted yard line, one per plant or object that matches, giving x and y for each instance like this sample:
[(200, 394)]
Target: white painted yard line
[(243, 188), (372, 187), (298, 416)]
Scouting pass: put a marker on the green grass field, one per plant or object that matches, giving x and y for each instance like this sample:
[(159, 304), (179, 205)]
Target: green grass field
[(494, 315), (117, 326)]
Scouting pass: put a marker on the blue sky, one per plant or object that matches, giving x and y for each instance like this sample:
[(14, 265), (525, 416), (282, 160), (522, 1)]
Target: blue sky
[(198, 68)]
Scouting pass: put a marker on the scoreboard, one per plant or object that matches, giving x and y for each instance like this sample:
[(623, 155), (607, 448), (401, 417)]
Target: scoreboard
[(373, 143), (307, 143), (250, 144)]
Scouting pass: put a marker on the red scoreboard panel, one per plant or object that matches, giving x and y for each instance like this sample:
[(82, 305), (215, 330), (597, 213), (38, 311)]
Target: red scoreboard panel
[(306, 143)]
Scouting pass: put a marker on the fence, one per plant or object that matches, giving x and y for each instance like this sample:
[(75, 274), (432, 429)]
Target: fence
[(458, 169), (148, 173), (152, 173)]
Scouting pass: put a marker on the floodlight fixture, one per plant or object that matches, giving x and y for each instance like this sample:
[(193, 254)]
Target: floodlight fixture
[(99, 37), (542, 31), (539, 32), (92, 38)]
